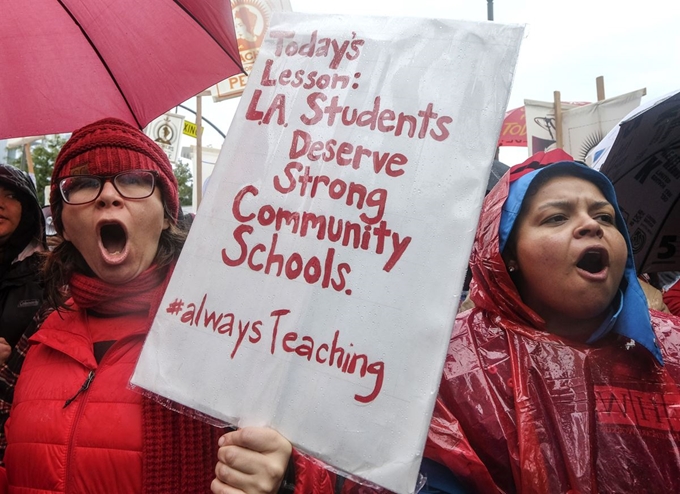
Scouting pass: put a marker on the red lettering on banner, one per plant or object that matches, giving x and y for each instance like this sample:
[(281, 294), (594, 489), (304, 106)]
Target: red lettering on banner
[(292, 265), (300, 78), (347, 233), (276, 107), (324, 47), (345, 154), (426, 123), (333, 354), (513, 129)]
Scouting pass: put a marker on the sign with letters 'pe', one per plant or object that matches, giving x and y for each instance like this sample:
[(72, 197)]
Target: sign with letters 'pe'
[(319, 284)]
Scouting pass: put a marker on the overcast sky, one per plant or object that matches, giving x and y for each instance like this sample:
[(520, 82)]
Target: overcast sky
[(567, 44)]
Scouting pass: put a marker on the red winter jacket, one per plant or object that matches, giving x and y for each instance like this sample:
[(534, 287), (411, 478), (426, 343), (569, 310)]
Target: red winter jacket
[(75, 426), (521, 410)]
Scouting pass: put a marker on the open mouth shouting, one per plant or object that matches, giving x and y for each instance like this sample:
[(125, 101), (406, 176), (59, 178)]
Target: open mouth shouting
[(113, 242), (593, 263)]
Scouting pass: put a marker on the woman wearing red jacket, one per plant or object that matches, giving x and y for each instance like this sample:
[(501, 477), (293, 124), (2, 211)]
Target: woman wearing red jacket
[(558, 381), (75, 424)]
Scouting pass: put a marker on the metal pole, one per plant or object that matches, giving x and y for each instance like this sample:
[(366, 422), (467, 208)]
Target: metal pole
[(29, 159), (489, 10), (558, 120), (599, 84), (199, 152), (198, 182)]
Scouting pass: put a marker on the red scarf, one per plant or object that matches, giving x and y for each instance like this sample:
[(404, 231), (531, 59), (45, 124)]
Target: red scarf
[(139, 295), (179, 453)]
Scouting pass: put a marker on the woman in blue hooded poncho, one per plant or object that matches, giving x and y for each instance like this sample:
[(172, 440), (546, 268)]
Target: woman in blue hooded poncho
[(559, 380)]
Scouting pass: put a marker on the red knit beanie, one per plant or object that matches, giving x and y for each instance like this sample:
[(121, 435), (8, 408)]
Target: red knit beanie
[(107, 147)]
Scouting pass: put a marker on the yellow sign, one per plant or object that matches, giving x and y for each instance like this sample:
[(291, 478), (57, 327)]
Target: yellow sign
[(190, 129)]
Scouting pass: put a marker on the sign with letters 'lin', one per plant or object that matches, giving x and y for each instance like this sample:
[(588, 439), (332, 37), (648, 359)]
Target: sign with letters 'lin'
[(318, 287)]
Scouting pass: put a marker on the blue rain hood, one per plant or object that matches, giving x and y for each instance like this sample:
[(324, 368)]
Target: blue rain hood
[(629, 313)]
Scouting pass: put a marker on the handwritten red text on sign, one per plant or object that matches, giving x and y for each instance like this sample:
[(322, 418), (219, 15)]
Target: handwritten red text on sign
[(331, 354)]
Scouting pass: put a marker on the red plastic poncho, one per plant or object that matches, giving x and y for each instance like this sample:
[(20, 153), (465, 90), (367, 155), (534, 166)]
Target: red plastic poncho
[(521, 410), (671, 298)]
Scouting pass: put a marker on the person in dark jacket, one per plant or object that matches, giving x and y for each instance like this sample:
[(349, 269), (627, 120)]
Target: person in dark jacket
[(22, 237)]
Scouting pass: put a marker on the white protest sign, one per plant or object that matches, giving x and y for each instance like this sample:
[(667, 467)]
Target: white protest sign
[(318, 287)]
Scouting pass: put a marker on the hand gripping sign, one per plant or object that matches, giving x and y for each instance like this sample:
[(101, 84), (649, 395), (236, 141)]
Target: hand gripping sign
[(318, 287)]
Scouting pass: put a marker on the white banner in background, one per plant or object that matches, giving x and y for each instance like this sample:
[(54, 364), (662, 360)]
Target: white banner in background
[(541, 126), (320, 281), (585, 126)]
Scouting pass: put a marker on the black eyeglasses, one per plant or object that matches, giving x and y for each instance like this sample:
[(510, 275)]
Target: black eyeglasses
[(131, 184)]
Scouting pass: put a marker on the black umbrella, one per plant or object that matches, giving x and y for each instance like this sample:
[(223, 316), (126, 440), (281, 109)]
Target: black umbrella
[(643, 163), (498, 169)]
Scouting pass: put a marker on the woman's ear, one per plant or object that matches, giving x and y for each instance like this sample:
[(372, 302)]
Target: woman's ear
[(510, 259)]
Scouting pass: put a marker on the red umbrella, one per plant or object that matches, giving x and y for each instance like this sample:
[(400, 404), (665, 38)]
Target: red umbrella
[(66, 63), (514, 130)]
